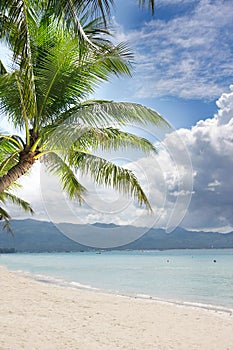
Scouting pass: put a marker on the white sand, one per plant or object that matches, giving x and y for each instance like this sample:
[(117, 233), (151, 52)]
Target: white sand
[(35, 315)]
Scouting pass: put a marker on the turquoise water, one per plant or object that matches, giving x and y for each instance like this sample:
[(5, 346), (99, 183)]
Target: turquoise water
[(177, 275)]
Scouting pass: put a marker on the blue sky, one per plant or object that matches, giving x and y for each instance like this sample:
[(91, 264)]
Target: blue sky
[(183, 57), (183, 66)]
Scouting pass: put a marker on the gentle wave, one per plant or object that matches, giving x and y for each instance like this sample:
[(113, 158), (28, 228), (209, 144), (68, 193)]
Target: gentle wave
[(55, 281), (63, 283)]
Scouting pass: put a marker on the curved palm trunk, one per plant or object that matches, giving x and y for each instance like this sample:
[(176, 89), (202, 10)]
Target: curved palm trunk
[(26, 160)]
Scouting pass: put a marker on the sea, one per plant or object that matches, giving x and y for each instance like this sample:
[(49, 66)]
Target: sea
[(202, 278)]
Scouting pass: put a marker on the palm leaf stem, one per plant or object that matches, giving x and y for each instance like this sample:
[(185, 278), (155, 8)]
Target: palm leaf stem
[(35, 145), (44, 153), (12, 140), (24, 113), (80, 30), (4, 164)]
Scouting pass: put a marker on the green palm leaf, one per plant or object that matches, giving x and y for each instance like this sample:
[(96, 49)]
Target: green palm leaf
[(18, 20), (11, 198), (112, 139), (57, 166), (80, 137), (108, 174), (6, 218), (106, 113), (71, 9), (10, 102), (67, 72), (10, 148), (7, 196)]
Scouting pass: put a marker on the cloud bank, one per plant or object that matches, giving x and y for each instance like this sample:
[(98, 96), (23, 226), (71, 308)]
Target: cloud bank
[(210, 147)]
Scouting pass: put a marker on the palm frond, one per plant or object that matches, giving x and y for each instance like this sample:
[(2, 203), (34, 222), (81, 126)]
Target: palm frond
[(2, 69), (100, 7), (108, 113), (11, 141), (67, 12), (67, 72), (10, 103), (17, 19), (80, 137), (8, 163), (16, 96), (7, 197), (108, 174), (6, 218), (116, 59), (112, 139), (70, 11), (151, 5), (10, 146), (24, 205), (70, 184), (96, 31), (54, 68)]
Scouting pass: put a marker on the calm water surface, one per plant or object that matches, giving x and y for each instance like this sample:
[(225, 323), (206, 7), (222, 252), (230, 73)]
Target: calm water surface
[(198, 276)]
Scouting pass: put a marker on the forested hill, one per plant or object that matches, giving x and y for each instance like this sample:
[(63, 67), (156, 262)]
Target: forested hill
[(41, 236)]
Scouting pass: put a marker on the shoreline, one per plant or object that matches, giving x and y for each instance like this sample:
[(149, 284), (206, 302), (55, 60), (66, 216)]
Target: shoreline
[(50, 280), (46, 316)]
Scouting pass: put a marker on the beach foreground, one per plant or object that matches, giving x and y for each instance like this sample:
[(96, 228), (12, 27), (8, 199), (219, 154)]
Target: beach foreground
[(35, 315)]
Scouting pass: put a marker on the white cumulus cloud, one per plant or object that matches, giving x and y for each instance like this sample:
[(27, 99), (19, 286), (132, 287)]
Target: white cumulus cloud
[(210, 146)]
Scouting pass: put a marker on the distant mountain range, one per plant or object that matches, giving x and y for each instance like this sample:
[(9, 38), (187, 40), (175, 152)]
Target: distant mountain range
[(42, 236)]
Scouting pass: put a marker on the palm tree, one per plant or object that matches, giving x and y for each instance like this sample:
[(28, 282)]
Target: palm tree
[(44, 95)]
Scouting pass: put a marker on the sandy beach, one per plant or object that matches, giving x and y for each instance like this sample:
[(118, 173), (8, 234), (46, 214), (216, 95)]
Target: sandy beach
[(36, 315)]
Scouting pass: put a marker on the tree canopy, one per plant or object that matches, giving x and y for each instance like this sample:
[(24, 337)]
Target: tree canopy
[(45, 95)]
